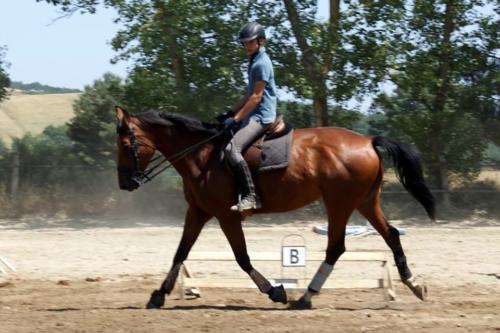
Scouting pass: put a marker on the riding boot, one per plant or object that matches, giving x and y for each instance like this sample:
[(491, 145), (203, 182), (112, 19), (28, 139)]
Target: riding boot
[(249, 199)]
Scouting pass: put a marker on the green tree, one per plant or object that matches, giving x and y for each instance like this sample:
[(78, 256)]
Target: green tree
[(73, 6), (92, 129), (4, 78), (4, 161), (187, 48), (52, 177), (185, 52), (331, 61), (447, 85), (44, 158)]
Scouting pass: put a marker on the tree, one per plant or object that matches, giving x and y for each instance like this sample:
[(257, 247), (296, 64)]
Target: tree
[(335, 60), (72, 6), (447, 85), (185, 52), (92, 129), (189, 49), (4, 162), (44, 158), (4, 78)]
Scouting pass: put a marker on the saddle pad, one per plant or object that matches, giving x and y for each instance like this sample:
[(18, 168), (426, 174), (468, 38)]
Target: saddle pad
[(275, 153)]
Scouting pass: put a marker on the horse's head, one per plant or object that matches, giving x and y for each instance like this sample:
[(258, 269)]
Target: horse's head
[(135, 150)]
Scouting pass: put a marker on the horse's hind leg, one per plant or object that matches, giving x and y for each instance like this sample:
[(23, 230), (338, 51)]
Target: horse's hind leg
[(373, 212), (337, 221), (194, 222)]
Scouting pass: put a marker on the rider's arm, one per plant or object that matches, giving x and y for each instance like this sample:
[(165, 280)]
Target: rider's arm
[(240, 103), (252, 101)]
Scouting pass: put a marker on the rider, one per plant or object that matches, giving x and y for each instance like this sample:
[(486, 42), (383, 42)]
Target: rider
[(254, 112)]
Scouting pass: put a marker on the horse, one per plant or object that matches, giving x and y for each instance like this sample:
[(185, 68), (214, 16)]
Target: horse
[(339, 166)]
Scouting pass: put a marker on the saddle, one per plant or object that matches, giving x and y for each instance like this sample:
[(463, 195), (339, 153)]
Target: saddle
[(270, 151)]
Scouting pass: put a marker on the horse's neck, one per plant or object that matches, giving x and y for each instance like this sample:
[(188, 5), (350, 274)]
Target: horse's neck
[(170, 143)]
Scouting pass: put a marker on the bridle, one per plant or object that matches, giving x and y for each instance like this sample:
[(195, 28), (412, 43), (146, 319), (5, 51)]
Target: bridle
[(143, 177)]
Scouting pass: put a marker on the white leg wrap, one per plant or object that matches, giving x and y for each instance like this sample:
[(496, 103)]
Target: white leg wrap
[(320, 277), (261, 282), (411, 282)]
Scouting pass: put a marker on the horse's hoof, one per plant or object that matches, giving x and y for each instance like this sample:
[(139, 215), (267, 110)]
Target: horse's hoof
[(278, 294), (156, 301), (419, 290), (301, 304)]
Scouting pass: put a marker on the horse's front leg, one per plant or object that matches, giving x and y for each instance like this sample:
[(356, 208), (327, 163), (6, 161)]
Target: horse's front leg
[(195, 220), (231, 226)]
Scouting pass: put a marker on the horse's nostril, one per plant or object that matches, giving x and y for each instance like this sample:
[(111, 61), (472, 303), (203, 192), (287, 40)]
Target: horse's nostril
[(128, 185), (125, 185)]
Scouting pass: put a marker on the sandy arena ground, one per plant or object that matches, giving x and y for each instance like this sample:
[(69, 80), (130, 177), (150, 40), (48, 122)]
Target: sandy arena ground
[(95, 276)]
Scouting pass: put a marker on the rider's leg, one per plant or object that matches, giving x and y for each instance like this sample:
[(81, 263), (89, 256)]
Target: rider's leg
[(249, 199), (241, 140)]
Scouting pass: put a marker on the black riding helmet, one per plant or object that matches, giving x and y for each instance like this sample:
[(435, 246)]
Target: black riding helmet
[(251, 31)]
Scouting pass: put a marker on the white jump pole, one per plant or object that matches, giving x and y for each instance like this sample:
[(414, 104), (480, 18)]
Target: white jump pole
[(7, 264)]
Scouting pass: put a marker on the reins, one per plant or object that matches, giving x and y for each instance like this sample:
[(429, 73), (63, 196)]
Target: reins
[(143, 177)]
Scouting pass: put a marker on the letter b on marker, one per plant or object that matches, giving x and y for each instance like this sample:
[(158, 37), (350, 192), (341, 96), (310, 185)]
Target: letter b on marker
[(293, 256)]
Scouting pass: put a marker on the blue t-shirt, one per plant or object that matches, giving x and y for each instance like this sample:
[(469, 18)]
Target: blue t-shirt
[(261, 69)]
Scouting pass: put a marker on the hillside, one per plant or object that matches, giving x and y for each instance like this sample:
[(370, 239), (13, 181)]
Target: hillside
[(22, 113), (38, 88)]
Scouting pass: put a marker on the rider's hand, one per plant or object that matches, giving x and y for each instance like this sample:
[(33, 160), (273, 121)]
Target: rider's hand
[(223, 116), (229, 123)]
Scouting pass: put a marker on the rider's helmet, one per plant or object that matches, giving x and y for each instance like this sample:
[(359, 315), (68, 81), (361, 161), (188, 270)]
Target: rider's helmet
[(251, 31)]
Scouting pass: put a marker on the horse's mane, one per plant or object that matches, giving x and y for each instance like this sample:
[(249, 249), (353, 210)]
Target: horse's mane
[(165, 118)]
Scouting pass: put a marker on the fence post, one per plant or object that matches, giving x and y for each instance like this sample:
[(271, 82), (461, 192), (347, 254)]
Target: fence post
[(14, 181)]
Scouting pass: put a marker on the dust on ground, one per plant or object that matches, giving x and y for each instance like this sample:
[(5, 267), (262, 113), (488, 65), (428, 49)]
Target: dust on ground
[(96, 277)]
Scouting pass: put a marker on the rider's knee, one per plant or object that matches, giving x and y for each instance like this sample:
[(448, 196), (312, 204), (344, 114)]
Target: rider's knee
[(232, 154)]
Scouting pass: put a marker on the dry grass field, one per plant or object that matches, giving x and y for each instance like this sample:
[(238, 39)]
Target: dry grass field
[(22, 113)]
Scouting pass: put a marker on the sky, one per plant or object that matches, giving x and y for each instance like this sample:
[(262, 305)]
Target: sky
[(70, 52)]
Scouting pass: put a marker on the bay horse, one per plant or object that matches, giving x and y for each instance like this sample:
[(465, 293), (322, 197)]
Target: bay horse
[(339, 166)]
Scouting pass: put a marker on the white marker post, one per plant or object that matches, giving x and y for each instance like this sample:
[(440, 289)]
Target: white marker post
[(293, 256)]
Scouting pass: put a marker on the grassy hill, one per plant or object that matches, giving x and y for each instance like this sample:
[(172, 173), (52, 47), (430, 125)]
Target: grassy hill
[(38, 88), (22, 113)]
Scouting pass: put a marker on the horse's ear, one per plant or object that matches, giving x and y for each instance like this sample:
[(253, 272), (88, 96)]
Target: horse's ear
[(123, 120), (121, 113)]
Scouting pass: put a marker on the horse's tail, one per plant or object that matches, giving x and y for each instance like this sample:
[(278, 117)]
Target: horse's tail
[(407, 162)]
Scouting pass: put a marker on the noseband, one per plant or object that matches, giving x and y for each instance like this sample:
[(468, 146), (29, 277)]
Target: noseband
[(143, 177), (136, 175)]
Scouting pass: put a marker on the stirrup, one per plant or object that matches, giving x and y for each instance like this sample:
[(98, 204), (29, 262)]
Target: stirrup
[(248, 202)]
